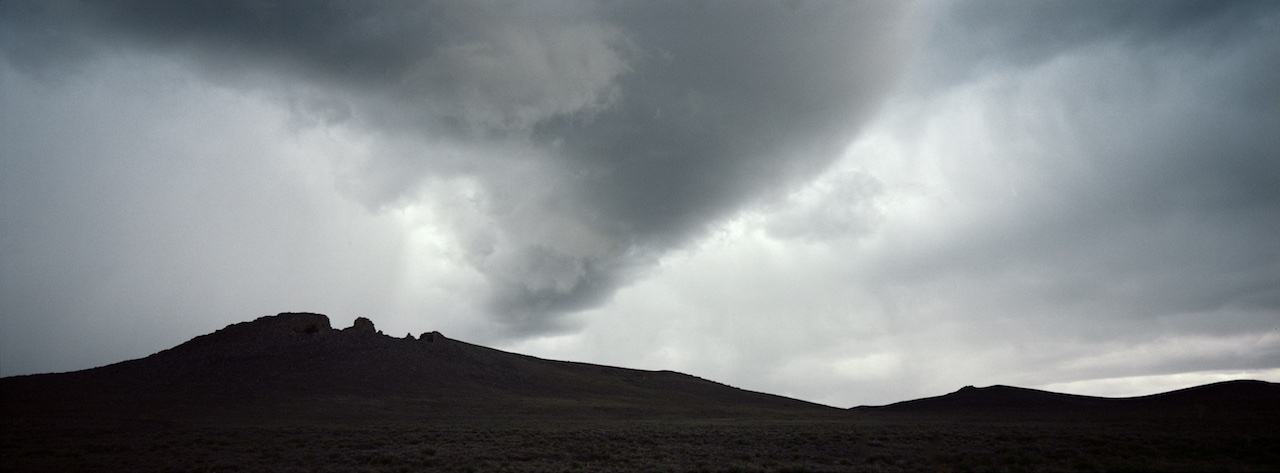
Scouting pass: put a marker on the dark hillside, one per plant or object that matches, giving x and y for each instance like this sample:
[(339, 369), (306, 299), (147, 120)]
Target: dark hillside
[(291, 393), (298, 362)]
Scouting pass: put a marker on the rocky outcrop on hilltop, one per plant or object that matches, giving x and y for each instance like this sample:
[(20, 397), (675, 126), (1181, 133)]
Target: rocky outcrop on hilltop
[(297, 352), (362, 325), (431, 337), (265, 333), (279, 347)]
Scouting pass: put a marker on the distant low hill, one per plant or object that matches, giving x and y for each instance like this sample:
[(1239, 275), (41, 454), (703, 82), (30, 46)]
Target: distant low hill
[(1246, 397)]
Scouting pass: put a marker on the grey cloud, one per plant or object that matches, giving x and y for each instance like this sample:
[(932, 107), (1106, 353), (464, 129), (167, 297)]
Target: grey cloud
[(847, 205), (135, 215), (1085, 208), (726, 106), (601, 135), (438, 67), (1117, 191), (981, 35)]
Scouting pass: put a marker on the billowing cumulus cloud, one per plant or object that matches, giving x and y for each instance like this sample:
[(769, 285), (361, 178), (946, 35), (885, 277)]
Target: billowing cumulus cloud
[(596, 136)]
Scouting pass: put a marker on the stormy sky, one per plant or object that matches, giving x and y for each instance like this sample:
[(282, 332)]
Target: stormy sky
[(846, 202)]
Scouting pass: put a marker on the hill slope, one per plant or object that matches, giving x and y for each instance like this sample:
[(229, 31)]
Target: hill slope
[(290, 393), (297, 364), (1242, 397)]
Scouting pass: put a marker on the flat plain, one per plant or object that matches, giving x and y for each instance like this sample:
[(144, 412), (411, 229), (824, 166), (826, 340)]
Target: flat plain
[(835, 443)]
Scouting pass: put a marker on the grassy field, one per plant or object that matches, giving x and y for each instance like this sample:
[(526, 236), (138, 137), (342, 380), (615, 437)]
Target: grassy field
[(840, 443)]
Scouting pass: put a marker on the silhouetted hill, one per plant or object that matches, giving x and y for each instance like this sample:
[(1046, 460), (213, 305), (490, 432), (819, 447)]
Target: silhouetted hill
[(297, 363), (1225, 398), (290, 393), (999, 396), (1245, 395)]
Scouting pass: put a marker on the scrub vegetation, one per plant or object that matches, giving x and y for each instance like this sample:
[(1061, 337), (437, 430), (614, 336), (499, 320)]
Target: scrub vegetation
[(851, 443)]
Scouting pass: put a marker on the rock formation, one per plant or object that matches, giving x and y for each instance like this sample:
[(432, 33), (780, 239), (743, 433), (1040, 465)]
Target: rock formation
[(362, 325), (430, 337)]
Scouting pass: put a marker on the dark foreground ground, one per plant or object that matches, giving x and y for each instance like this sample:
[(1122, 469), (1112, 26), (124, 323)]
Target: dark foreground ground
[(847, 441)]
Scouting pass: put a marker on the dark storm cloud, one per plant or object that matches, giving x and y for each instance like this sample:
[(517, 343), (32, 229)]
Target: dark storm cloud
[(436, 55), (722, 105), (600, 135)]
